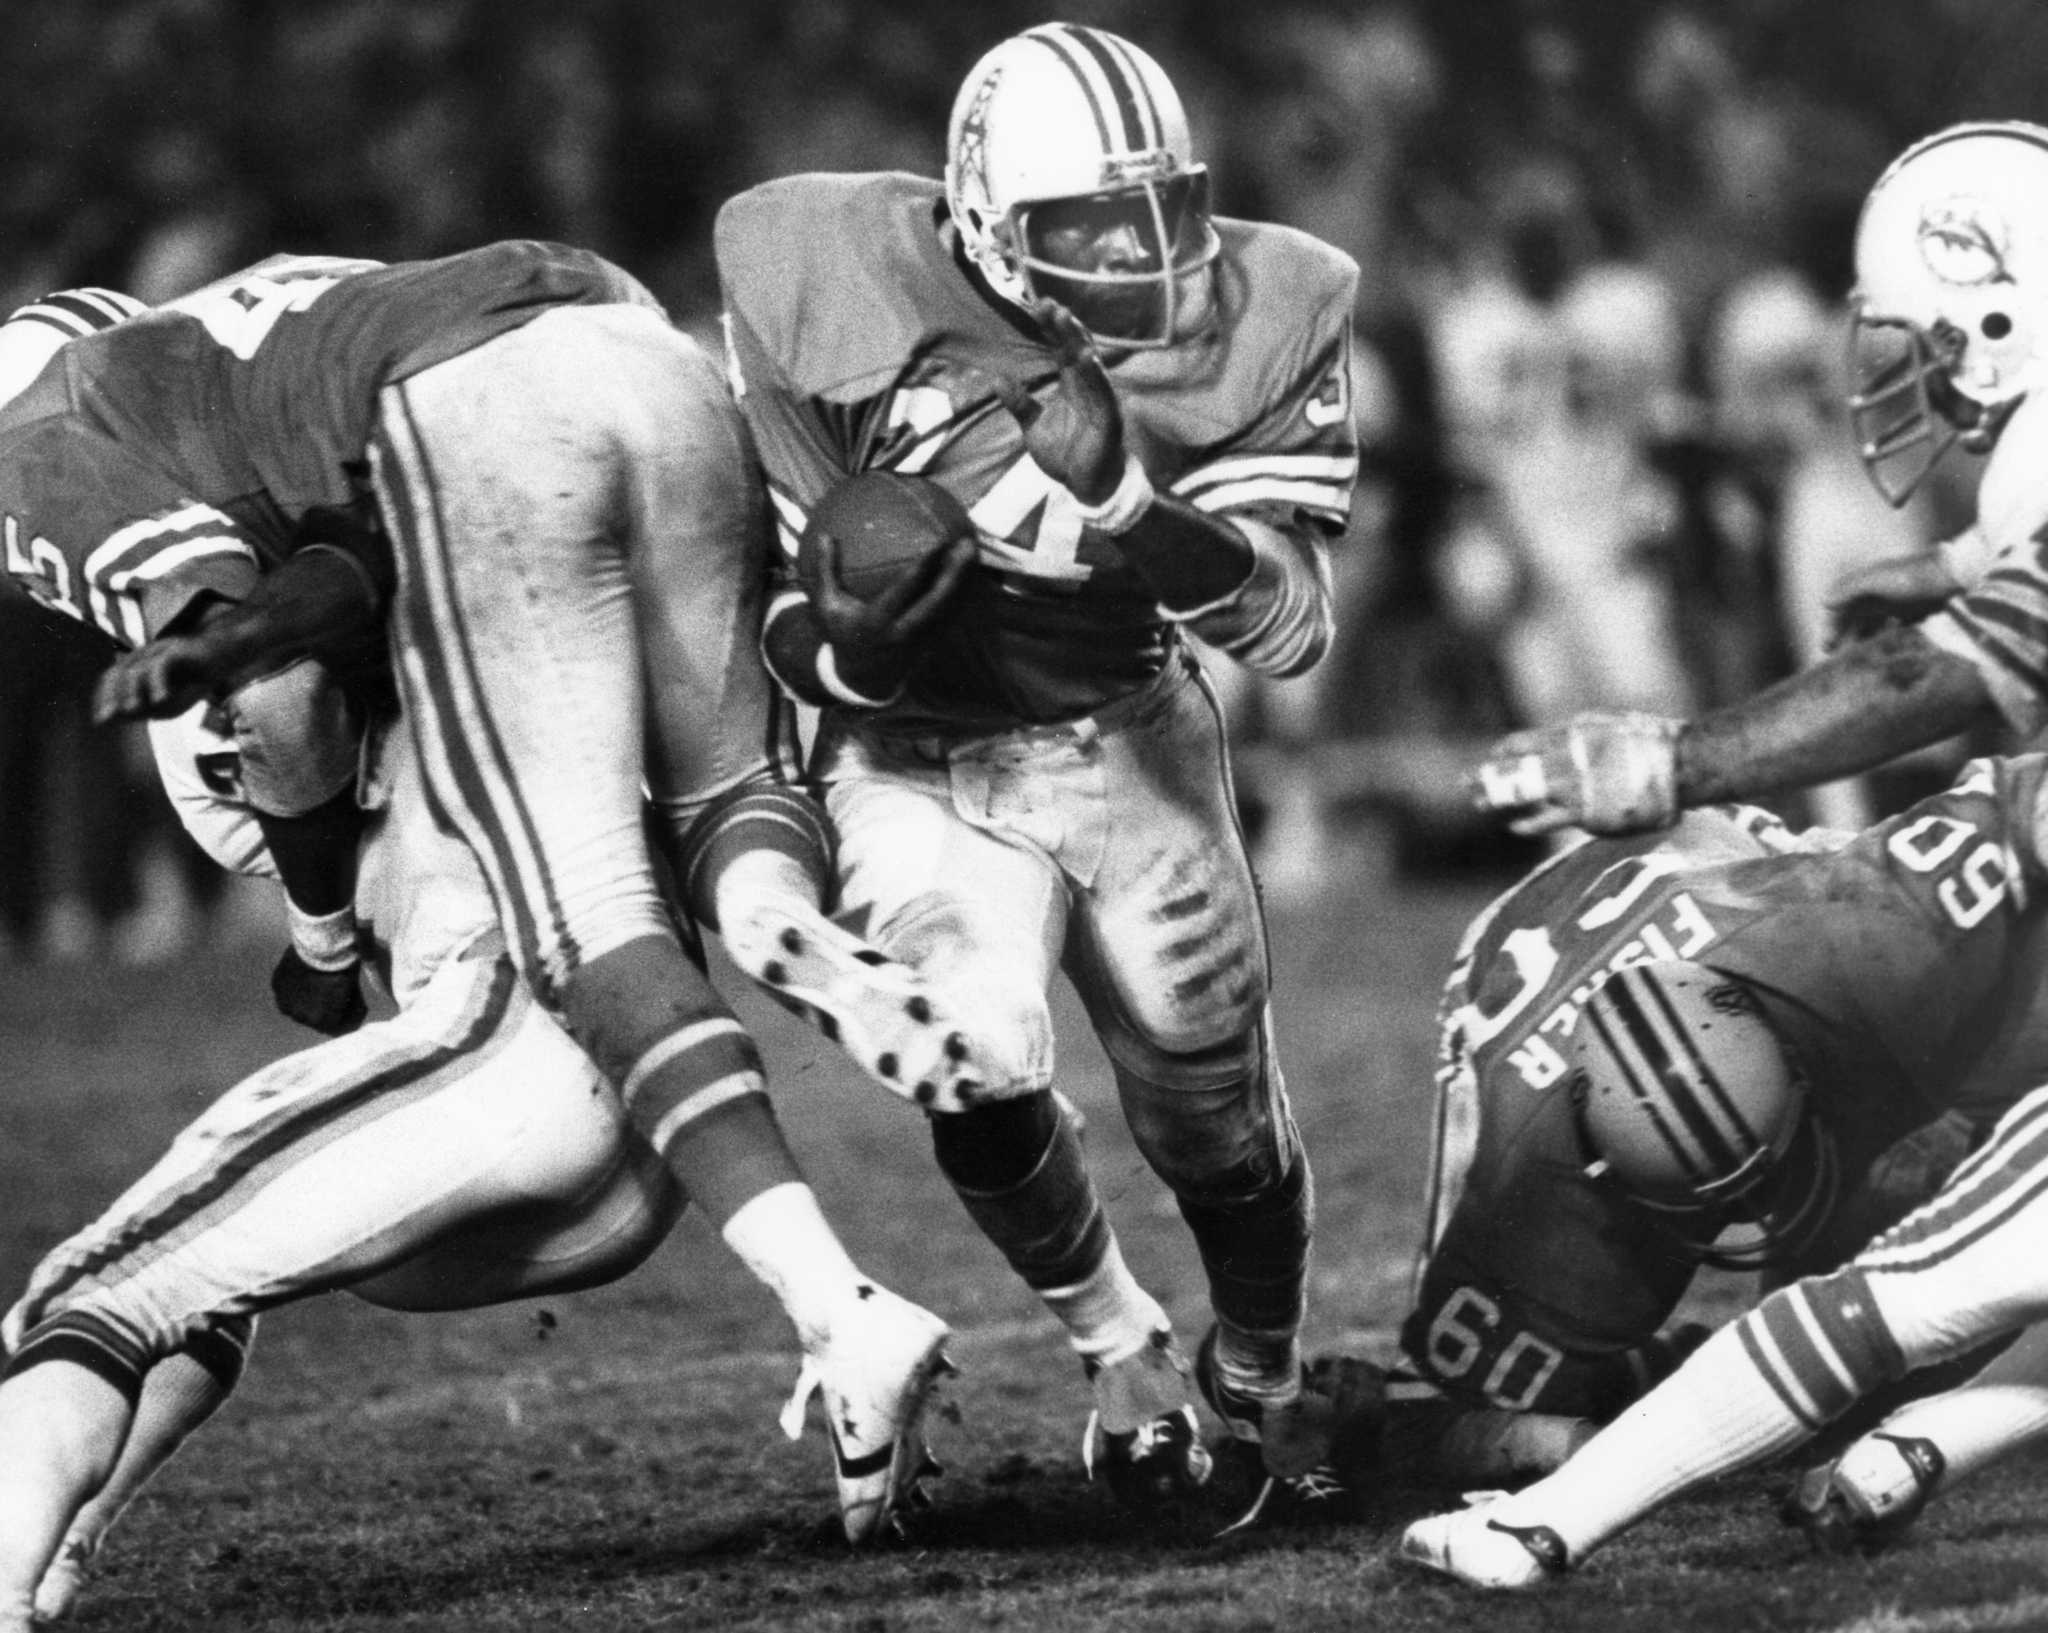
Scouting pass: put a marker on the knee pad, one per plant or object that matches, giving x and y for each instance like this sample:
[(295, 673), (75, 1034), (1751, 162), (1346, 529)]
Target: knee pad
[(299, 737), (1213, 1124)]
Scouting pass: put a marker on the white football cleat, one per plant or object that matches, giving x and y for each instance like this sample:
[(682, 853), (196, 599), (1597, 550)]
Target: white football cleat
[(1481, 1551), (878, 1010), (1868, 1497), (876, 1371)]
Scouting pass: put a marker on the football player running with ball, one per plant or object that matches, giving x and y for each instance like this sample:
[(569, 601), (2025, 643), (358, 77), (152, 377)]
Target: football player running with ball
[(1950, 320), (1733, 1046), (1143, 409)]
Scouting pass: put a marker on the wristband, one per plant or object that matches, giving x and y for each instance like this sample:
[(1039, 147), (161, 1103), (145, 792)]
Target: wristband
[(326, 941), (1121, 510)]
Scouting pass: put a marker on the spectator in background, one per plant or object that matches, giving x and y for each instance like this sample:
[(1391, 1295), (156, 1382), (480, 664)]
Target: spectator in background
[(1558, 367)]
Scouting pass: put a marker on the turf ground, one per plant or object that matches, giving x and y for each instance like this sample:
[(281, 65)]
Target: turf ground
[(610, 1460)]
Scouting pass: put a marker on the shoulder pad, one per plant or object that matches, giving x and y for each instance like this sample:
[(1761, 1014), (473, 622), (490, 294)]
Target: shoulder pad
[(825, 271)]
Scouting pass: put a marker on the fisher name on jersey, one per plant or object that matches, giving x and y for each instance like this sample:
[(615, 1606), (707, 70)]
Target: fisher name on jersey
[(857, 341), (1907, 966), (180, 451)]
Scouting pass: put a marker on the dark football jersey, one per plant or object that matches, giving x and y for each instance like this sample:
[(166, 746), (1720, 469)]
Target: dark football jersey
[(1907, 965), (857, 341), (178, 451)]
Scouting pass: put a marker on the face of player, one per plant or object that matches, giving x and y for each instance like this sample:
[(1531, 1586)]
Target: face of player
[(1105, 258)]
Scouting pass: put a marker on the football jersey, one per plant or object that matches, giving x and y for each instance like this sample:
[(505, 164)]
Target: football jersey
[(179, 451), (857, 341), (1906, 965), (1999, 623)]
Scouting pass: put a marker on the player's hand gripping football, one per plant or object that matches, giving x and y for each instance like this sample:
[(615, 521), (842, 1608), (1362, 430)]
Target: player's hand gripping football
[(875, 638), (1607, 773), (1076, 433)]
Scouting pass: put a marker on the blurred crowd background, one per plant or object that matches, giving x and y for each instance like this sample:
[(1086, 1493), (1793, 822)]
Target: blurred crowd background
[(1605, 248)]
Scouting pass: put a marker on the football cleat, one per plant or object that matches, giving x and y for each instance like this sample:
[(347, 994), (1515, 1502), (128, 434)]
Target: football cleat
[(1290, 1448), (1142, 1439), (876, 1372), (875, 1008), (1866, 1498), (1483, 1552)]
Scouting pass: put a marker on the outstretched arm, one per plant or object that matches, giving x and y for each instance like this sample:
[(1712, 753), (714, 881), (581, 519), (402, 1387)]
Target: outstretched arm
[(1862, 705)]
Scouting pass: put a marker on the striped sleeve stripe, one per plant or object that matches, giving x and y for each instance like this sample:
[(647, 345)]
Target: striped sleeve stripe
[(75, 312), (129, 555), (790, 518), (84, 1340), (1331, 501), (1821, 1346), (1318, 481), (690, 1074)]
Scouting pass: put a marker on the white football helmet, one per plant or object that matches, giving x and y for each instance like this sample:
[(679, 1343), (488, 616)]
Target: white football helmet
[(1951, 285), (1687, 1098), (1070, 174)]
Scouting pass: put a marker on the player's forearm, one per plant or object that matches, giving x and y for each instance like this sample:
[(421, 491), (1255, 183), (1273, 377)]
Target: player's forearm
[(1271, 606), (1865, 704), (807, 666)]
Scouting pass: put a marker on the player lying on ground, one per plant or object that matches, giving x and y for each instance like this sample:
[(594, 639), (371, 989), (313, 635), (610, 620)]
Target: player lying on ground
[(460, 1153), (1951, 332), (1144, 411), (1961, 1271), (1733, 1045)]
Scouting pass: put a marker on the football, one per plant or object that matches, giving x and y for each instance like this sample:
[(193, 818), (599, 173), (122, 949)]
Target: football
[(887, 525)]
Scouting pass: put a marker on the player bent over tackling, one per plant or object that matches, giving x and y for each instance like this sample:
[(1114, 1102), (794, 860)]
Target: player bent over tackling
[(1941, 1008), (1732, 1045), (461, 1153)]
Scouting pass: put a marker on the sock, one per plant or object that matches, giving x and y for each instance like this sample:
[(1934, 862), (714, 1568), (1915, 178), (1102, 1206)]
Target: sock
[(1717, 1413), (1018, 1168), (687, 1070), (1256, 1253), (783, 1237)]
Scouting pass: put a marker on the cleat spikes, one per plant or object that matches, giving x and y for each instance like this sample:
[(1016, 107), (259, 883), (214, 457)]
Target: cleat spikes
[(919, 1009), (888, 1065), (792, 940), (956, 1046), (775, 973)]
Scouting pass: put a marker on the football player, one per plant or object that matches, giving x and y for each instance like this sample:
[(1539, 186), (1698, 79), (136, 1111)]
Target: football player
[(551, 487), (1732, 1046), (1144, 409), (1933, 1002), (1949, 318), (462, 1152)]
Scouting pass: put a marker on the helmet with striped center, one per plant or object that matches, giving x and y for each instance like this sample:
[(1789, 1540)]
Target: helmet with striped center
[(1070, 174), (1689, 1100)]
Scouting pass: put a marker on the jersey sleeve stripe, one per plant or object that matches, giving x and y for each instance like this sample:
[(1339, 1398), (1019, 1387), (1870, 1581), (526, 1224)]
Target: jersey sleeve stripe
[(790, 519), (1333, 501), (1328, 467)]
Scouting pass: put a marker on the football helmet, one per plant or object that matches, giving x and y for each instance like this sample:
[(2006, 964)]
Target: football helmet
[(1947, 331), (1687, 1098), (1070, 175)]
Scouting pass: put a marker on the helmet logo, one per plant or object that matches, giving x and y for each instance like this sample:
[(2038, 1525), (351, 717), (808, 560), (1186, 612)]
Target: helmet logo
[(970, 155), (1124, 169), (1964, 241)]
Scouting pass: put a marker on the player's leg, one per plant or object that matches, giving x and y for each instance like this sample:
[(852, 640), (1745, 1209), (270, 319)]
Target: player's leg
[(509, 479), (180, 1393), (981, 914), (1957, 1272), (1169, 954)]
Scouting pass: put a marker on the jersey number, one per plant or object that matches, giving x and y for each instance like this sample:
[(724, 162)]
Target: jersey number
[(39, 567), (1971, 893), (1467, 1330), (241, 314)]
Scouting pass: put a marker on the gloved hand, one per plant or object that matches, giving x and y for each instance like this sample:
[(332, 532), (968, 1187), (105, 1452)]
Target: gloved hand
[(1609, 773), (329, 1001)]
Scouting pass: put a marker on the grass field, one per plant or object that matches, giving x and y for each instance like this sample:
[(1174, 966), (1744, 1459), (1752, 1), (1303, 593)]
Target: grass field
[(610, 1460)]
